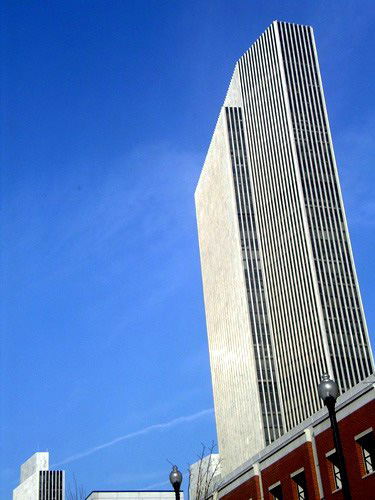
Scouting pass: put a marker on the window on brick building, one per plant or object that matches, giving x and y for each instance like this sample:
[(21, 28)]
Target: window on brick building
[(336, 474), (366, 442), (300, 487), (276, 493)]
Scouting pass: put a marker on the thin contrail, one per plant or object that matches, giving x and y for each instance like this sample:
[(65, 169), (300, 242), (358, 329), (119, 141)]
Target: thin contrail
[(146, 430), (156, 485)]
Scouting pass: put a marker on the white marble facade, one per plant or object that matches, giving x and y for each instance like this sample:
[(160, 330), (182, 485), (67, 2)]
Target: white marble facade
[(34, 483), (281, 296)]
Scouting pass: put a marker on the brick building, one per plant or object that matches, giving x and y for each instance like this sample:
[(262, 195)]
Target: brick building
[(302, 464)]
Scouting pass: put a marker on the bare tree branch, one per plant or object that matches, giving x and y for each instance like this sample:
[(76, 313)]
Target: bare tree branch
[(75, 492), (202, 473)]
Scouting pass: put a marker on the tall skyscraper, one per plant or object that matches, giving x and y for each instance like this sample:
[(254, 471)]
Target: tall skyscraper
[(37, 482), (281, 294)]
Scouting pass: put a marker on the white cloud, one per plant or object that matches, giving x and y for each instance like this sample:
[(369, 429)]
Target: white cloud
[(156, 485), (109, 213), (131, 435)]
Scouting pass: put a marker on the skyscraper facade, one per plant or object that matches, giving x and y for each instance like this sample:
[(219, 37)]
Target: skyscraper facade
[(281, 294), (37, 482)]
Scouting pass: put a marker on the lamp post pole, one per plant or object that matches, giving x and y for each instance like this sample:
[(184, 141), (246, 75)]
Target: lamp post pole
[(328, 392), (175, 478)]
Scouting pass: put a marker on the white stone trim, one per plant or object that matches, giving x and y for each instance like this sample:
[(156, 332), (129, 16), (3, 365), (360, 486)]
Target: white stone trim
[(275, 485), (295, 473), (362, 434), (330, 453)]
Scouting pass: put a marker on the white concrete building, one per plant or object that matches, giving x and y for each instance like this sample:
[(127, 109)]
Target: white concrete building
[(133, 495), (37, 482), (281, 294), (203, 474)]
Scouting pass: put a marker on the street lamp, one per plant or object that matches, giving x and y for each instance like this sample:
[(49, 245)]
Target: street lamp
[(328, 392), (175, 478)]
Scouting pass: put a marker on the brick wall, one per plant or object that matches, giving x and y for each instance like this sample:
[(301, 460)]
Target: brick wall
[(362, 485), (248, 489), (283, 468)]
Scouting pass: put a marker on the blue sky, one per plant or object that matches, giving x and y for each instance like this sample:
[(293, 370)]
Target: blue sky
[(107, 112)]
